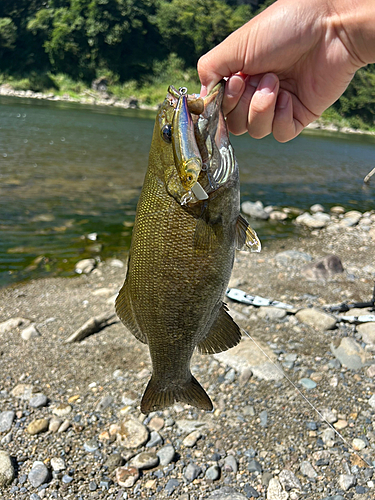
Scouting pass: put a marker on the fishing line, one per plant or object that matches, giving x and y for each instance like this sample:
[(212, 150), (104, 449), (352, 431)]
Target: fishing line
[(307, 400)]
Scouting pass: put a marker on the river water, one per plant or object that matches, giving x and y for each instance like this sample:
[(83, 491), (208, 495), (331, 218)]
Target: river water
[(67, 171)]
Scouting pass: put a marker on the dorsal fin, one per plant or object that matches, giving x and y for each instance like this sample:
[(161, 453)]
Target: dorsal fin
[(223, 335), (125, 313), (246, 236)]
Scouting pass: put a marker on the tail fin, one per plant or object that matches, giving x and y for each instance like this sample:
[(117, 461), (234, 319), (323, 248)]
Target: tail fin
[(157, 397)]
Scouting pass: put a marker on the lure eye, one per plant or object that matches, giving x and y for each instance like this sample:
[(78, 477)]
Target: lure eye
[(166, 133)]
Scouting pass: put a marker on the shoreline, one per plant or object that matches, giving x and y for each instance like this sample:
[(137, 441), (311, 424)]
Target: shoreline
[(104, 99)]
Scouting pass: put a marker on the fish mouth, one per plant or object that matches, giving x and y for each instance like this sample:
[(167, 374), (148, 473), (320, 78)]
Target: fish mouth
[(203, 154)]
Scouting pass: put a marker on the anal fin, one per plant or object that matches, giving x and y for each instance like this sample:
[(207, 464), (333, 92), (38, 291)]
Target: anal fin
[(223, 335), (246, 236), (158, 397), (125, 313)]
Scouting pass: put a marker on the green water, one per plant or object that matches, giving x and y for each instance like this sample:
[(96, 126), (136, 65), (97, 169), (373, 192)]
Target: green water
[(67, 171)]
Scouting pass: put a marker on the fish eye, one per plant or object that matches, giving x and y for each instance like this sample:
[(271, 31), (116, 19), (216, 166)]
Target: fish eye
[(166, 133)]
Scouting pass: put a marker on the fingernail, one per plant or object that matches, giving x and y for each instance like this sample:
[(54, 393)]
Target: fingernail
[(267, 84), (203, 91), (282, 100), (234, 85)]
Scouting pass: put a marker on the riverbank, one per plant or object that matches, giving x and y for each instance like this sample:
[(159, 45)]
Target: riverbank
[(66, 408), (329, 122)]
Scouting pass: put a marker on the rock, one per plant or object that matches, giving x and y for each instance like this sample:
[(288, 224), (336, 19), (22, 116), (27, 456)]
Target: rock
[(155, 440), (191, 439), (85, 266), (171, 485), (38, 400), (358, 444), (323, 269), (277, 215), (91, 446), (307, 469), (337, 210), (289, 257), (100, 84), (38, 475), (156, 424), (367, 331), (230, 464), (226, 493), (213, 473), (7, 472), (6, 420), (289, 481), (58, 464), (22, 391), (346, 481), (191, 472), (30, 332), (126, 476), (254, 466), (316, 208), (246, 356), (132, 433), (117, 263), (349, 353), (328, 415), (113, 461), (255, 210), (328, 437), (12, 324), (166, 454), (62, 410), (37, 426), (271, 313), (307, 383), (371, 401), (145, 460), (311, 221), (186, 426), (317, 319), (54, 424), (104, 403), (275, 492)]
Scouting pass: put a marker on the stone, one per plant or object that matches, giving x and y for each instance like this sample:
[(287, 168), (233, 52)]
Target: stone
[(30, 332), (132, 433), (328, 415), (367, 331), (371, 401), (230, 464), (54, 424), (191, 439), (337, 210), (307, 383), (307, 469), (155, 440), (213, 473), (311, 221), (289, 257), (145, 460), (171, 485), (113, 461), (274, 490), (246, 356), (37, 426), (62, 410), (358, 444), (38, 475), (349, 353), (226, 493), (58, 464), (346, 481), (317, 319), (186, 426), (191, 472), (6, 420), (104, 403), (166, 454), (323, 269), (289, 481), (271, 313), (156, 423), (85, 266), (255, 210), (117, 263), (126, 476), (254, 466), (38, 400), (316, 208), (22, 391), (7, 472), (91, 446), (328, 437), (278, 215), (12, 323), (64, 426)]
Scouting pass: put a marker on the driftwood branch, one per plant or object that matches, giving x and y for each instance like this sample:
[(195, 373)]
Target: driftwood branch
[(366, 180), (93, 325)]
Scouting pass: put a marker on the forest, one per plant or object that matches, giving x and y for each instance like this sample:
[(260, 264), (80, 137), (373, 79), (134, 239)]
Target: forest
[(134, 44)]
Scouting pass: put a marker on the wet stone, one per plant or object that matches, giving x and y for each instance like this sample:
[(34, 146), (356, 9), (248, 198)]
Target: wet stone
[(192, 471), (166, 454), (38, 475), (7, 472), (145, 460), (38, 400), (37, 426), (6, 420)]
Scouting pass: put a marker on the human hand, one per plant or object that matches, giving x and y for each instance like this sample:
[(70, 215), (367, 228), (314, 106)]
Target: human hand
[(288, 64)]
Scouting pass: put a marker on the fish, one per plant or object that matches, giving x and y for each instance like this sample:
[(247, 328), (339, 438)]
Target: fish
[(186, 231)]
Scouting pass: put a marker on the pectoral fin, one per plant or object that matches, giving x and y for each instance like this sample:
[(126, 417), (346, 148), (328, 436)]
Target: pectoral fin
[(246, 236), (223, 335), (125, 313)]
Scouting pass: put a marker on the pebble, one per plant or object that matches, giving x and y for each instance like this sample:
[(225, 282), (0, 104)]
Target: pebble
[(213, 473), (22, 391), (349, 353), (64, 426), (289, 480), (289, 257), (346, 481), (166, 454), (104, 403), (155, 440), (126, 476), (58, 464), (271, 313), (263, 416), (12, 323), (187, 426), (191, 439), (91, 446), (307, 383), (307, 469), (38, 400), (274, 490), (156, 424), (254, 466), (38, 475), (54, 424), (171, 485), (226, 493), (145, 460), (367, 331), (7, 472), (37, 426), (113, 461), (230, 463), (30, 332), (6, 420), (66, 479), (132, 433), (191, 472), (358, 444), (255, 210), (328, 415), (62, 410), (371, 401), (85, 266), (317, 319), (323, 269)]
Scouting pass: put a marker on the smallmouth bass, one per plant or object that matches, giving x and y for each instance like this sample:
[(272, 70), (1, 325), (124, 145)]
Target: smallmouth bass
[(187, 227)]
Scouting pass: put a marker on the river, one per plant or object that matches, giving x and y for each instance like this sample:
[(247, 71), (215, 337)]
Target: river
[(70, 177)]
